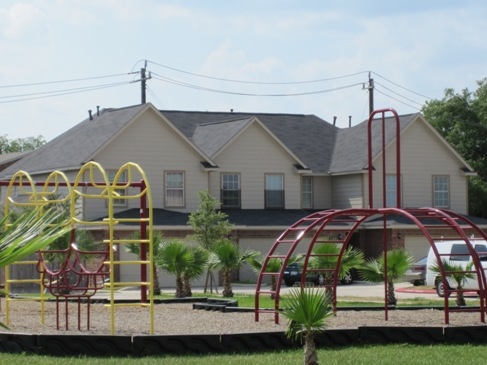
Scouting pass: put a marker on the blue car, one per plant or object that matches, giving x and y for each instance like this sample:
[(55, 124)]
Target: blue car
[(292, 274)]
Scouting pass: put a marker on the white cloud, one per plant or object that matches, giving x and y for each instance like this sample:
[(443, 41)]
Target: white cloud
[(20, 20)]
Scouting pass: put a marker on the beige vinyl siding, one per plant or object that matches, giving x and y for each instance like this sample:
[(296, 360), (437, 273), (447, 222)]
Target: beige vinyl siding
[(417, 246), (61, 192), (422, 157), (253, 154), (159, 149), (322, 197), (347, 191)]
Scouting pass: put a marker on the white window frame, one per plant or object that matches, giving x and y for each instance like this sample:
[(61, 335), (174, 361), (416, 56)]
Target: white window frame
[(230, 186), (391, 191), (441, 191), (174, 200), (274, 183), (307, 192)]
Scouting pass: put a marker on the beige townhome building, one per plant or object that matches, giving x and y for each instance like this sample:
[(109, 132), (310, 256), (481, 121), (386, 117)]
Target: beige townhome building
[(268, 170)]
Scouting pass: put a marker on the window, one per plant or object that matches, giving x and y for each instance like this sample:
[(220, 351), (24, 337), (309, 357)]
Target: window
[(230, 193), (121, 192), (274, 191), (391, 191), (459, 252), (441, 193), (174, 189), (307, 192)]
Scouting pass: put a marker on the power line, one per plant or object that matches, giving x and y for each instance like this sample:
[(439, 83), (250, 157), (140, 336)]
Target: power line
[(64, 81), (193, 86), (402, 96), (61, 93), (258, 82), (402, 87), (400, 101)]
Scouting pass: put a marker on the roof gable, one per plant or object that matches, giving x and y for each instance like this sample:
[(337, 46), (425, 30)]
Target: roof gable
[(74, 147), (212, 137), (82, 143), (308, 138)]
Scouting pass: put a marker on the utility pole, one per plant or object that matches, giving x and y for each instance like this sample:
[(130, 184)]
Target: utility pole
[(142, 85), (143, 80), (371, 94)]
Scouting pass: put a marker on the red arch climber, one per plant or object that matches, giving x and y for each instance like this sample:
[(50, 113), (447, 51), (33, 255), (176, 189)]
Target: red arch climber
[(338, 226)]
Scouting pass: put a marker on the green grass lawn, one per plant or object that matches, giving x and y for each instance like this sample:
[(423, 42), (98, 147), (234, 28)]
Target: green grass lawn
[(363, 355), (266, 302)]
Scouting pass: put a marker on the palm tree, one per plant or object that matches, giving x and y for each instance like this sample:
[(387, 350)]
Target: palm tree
[(458, 273), (156, 244), (195, 268), (398, 261), (226, 256), (307, 310), (326, 257), (174, 257)]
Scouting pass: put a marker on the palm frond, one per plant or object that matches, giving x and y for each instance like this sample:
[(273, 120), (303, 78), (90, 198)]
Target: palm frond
[(455, 271), (31, 231), (307, 310)]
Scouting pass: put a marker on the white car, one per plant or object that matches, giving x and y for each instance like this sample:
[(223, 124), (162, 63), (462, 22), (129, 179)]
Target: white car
[(457, 253)]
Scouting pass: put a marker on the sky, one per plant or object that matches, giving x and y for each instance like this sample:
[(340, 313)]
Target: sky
[(61, 58)]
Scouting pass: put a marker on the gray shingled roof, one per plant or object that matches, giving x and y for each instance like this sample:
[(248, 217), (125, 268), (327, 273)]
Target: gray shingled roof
[(310, 138), (77, 145), (351, 154), (324, 148), (211, 137)]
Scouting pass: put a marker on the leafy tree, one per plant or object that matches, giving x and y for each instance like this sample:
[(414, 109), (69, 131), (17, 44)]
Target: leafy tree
[(20, 144), (307, 310), (209, 226), (156, 244), (458, 273), (327, 258), (461, 118), (398, 261), (226, 256)]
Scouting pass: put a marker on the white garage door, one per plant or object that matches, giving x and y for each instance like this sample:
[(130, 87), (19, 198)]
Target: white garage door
[(417, 246)]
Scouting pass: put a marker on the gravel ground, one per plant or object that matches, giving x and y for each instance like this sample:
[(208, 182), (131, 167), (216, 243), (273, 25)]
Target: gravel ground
[(177, 319)]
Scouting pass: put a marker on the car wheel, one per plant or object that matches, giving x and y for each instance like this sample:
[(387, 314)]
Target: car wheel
[(321, 280), (439, 289), (347, 279), (288, 282)]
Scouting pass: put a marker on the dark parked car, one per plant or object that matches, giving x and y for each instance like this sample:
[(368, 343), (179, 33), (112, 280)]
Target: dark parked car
[(416, 274), (292, 274)]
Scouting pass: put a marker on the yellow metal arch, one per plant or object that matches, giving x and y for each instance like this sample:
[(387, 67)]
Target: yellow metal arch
[(92, 182)]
